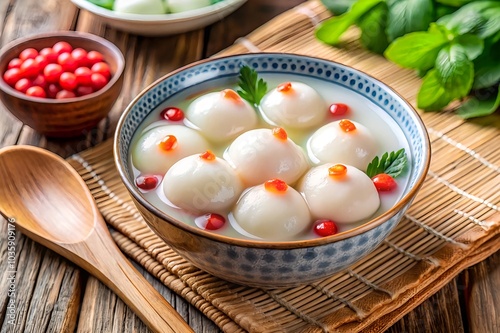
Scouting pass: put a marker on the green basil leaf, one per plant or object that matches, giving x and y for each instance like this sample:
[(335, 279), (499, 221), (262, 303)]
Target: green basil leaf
[(476, 107), (407, 16), (416, 50), (330, 31), (455, 72), (472, 45), (432, 96), (338, 7), (373, 27)]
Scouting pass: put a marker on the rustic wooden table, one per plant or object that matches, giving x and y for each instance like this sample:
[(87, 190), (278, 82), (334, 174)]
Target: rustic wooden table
[(47, 293)]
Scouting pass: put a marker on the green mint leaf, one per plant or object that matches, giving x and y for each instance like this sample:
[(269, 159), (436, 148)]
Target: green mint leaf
[(432, 95), (478, 17), (392, 163), (108, 4), (442, 10), (252, 88), (487, 74), (492, 24), (407, 16), (373, 26), (454, 3), (475, 107), (472, 45), (330, 31), (338, 7), (417, 50), (454, 71)]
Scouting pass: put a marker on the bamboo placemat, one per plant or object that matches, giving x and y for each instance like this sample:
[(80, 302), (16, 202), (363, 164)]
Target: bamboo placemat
[(453, 223)]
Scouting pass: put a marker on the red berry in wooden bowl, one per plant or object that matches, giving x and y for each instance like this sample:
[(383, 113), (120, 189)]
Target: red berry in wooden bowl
[(60, 103)]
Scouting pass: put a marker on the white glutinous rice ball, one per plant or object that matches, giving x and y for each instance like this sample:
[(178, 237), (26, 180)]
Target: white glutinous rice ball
[(177, 6), (160, 147), (343, 141), (338, 192), (294, 105), (262, 154), (272, 211), (222, 115), (140, 6), (202, 183)]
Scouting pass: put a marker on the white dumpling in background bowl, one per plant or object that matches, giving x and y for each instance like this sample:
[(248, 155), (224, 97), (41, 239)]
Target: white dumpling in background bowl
[(338, 192), (294, 105), (273, 211), (343, 141), (202, 183), (160, 147), (262, 154), (221, 115), (140, 6)]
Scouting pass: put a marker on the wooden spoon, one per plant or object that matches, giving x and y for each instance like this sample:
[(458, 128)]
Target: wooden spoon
[(52, 205)]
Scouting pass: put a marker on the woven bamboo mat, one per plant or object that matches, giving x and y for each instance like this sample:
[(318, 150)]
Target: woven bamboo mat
[(453, 223)]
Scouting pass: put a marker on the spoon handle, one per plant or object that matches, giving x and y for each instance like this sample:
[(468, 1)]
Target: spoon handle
[(115, 271)]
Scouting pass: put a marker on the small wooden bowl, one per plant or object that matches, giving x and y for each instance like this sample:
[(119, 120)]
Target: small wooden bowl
[(63, 117)]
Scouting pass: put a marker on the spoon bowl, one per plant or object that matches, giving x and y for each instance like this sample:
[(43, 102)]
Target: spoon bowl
[(52, 205)]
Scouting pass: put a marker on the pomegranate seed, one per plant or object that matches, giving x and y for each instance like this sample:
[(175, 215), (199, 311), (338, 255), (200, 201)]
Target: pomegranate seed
[(384, 182), (325, 228), (276, 186), (146, 182), (347, 126), (280, 133), (172, 113), (212, 221), (338, 109)]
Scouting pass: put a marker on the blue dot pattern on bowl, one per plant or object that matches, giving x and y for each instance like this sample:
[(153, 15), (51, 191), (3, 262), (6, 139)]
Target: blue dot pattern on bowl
[(334, 73), (281, 267)]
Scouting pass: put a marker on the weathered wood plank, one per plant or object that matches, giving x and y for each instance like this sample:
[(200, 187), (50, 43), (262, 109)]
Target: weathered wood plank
[(440, 313), (223, 33), (482, 285)]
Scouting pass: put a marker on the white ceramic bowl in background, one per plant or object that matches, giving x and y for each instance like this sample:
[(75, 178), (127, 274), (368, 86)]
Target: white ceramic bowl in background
[(162, 24)]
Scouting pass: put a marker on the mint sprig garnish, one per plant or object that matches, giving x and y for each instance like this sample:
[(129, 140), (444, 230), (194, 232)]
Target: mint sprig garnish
[(252, 88), (452, 44), (392, 163)]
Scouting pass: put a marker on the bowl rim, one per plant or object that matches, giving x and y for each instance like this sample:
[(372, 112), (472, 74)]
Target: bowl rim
[(71, 34), (254, 243), (192, 14)]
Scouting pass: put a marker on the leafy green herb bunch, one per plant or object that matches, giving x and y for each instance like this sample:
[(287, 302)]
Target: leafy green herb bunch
[(453, 44)]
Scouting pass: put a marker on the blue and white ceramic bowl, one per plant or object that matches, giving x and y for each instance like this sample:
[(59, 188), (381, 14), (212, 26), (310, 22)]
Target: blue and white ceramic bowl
[(274, 264)]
